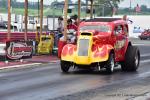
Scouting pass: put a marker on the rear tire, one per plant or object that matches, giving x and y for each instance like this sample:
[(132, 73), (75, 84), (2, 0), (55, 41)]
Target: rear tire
[(65, 66), (110, 64), (132, 59)]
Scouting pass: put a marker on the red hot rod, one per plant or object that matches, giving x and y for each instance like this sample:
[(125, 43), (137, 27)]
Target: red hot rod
[(101, 43)]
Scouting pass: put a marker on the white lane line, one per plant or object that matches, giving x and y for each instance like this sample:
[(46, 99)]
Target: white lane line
[(145, 74), (17, 66), (55, 61), (145, 96), (145, 61), (38, 69), (137, 44), (23, 65), (143, 55)]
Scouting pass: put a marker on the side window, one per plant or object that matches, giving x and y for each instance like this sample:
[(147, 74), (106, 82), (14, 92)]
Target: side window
[(118, 29)]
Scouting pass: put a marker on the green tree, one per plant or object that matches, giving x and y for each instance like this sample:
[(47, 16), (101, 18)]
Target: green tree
[(70, 1), (13, 3), (144, 8), (4, 3), (76, 6), (107, 5), (53, 4)]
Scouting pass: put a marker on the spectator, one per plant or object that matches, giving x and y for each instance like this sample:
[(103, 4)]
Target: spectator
[(71, 25), (71, 32), (128, 20), (75, 19), (60, 24)]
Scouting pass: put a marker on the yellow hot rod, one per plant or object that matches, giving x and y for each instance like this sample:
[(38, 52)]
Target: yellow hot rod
[(46, 43)]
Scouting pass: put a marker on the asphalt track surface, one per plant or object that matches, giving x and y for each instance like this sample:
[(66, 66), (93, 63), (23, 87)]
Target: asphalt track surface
[(47, 82)]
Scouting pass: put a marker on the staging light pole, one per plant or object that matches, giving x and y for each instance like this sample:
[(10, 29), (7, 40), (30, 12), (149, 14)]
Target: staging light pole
[(9, 20)]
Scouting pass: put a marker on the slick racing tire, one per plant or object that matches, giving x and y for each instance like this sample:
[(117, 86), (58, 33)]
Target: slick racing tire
[(65, 66), (110, 64), (132, 59)]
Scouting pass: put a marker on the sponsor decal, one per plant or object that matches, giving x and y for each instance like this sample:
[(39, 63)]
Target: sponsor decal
[(17, 50), (119, 44)]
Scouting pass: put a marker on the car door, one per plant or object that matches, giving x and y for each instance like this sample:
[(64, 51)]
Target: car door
[(119, 45)]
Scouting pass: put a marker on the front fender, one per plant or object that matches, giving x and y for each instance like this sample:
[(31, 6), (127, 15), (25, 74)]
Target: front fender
[(68, 52), (100, 53)]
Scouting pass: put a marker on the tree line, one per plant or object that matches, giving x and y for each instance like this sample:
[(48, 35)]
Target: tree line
[(143, 10), (15, 4), (102, 7), (105, 8)]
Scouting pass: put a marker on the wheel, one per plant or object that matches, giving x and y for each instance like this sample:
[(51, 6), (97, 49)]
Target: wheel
[(132, 59), (110, 64), (65, 66)]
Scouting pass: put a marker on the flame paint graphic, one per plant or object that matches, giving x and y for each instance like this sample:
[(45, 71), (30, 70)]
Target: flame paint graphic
[(68, 49)]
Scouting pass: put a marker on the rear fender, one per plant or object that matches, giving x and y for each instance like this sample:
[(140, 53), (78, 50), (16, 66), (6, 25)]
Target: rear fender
[(128, 43), (101, 53)]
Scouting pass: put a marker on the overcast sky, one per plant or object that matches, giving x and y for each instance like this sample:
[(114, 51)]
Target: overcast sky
[(125, 3)]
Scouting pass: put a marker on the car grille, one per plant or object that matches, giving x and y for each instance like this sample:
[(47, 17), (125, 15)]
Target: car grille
[(83, 47)]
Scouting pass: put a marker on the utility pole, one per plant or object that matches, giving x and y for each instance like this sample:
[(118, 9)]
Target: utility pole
[(54, 7), (41, 17), (38, 11), (91, 10), (103, 12), (79, 10), (9, 20), (130, 8), (65, 19), (26, 20), (86, 7)]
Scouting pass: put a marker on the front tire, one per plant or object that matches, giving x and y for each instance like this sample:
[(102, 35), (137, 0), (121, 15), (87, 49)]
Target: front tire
[(110, 64), (65, 66), (132, 59)]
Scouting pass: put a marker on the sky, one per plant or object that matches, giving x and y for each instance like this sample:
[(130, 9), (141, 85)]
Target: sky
[(125, 3)]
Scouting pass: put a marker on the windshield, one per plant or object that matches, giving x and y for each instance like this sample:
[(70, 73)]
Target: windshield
[(100, 28)]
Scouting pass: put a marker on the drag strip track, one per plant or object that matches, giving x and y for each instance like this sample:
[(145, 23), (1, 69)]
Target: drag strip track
[(46, 81)]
